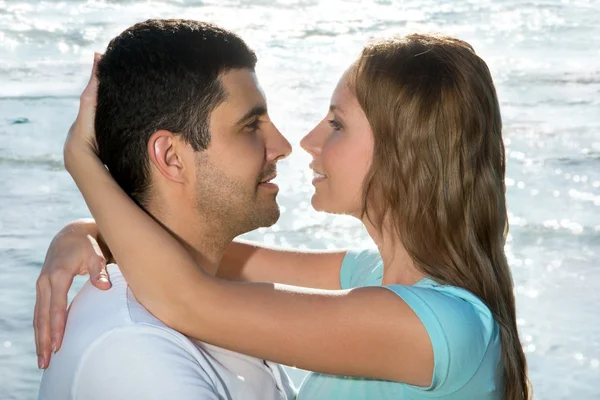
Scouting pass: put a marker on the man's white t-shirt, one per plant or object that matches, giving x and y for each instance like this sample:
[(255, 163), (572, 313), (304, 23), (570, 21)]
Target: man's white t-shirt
[(113, 348)]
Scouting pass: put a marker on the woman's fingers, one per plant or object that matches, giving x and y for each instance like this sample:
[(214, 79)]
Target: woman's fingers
[(82, 130), (89, 94), (60, 282), (35, 330), (98, 275), (42, 321)]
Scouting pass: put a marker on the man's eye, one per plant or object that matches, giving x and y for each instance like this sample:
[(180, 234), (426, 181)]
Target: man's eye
[(254, 125)]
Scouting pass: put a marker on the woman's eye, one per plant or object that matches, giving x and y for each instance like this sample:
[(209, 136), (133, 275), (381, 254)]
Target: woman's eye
[(334, 124)]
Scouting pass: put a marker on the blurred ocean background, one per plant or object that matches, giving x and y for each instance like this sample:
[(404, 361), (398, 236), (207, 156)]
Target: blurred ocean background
[(545, 59)]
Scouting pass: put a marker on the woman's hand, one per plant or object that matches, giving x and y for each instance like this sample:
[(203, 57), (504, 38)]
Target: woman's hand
[(82, 136), (73, 251)]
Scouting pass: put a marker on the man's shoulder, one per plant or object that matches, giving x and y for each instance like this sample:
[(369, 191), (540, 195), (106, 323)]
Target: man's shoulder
[(103, 310), (144, 360), (139, 341), (131, 357), (96, 314)]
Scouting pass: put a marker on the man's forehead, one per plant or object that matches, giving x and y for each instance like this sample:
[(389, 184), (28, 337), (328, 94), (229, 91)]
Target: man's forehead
[(242, 88), (244, 99)]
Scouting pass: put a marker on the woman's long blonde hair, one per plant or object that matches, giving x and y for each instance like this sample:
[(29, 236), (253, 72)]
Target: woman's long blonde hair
[(438, 171)]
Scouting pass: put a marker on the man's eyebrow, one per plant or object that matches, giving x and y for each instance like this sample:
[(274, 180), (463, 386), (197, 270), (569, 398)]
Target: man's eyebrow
[(255, 111)]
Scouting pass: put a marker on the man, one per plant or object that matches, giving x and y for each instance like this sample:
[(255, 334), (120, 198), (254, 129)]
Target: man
[(182, 125)]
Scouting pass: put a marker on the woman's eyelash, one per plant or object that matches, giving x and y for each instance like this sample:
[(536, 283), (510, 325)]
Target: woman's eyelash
[(335, 124)]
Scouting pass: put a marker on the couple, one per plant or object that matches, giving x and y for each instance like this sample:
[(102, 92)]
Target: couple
[(411, 146)]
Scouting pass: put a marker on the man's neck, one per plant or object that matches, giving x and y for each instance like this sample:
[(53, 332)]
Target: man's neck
[(202, 236)]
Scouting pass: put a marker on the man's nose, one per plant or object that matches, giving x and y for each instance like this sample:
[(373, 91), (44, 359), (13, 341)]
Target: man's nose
[(278, 147)]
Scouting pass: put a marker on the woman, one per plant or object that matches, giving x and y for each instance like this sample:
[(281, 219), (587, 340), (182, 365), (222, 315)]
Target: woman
[(424, 113)]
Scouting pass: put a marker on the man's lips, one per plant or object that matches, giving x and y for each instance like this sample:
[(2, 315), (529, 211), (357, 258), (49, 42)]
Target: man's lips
[(268, 179), (266, 183)]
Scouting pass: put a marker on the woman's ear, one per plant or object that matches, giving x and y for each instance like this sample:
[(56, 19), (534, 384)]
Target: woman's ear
[(164, 150)]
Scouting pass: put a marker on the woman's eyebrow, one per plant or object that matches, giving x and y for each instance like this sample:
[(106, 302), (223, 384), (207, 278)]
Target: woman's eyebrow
[(335, 107)]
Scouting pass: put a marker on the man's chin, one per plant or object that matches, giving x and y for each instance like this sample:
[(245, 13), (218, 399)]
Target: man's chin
[(270, 217), (264, 217)]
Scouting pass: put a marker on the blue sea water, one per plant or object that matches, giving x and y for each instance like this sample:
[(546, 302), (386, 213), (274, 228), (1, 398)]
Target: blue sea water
[(545, 59)]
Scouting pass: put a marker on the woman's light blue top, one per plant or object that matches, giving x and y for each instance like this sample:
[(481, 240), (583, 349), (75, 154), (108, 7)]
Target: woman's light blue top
[(463, 333)]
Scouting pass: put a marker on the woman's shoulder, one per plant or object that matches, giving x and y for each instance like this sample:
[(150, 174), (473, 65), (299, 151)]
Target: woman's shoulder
[(361, 267), (459, 315), (454, 299), (463, 333), (364, 267)]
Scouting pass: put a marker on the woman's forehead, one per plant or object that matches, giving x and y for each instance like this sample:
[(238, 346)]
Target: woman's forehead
[(343, 96)]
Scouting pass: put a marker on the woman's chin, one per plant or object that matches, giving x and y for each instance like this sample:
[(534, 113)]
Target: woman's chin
[(319, 204)]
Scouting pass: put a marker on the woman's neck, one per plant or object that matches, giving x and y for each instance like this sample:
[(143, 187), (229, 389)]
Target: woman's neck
[(398, 267)]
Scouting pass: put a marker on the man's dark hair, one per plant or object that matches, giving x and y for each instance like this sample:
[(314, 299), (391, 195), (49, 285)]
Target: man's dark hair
[(160, 74)]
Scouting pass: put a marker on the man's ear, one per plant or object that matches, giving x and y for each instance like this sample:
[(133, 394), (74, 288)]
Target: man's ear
[(164, 150)]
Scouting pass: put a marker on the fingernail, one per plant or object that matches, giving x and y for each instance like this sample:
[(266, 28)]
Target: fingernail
[(53, 346), (41, 362), (102, 279)]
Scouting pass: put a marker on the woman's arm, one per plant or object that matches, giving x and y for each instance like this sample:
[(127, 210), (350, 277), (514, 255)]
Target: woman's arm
[(366, 332), (245, 261), (79, 249)]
